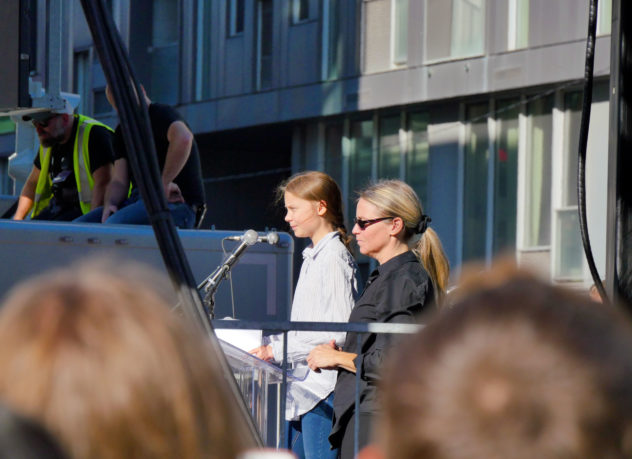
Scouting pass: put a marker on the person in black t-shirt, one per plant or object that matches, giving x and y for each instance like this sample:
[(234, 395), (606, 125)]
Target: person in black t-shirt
[(53, 190), (411, 278), (179, 162)]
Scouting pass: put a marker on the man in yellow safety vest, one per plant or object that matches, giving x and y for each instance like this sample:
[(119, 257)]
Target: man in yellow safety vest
[(72, 169)]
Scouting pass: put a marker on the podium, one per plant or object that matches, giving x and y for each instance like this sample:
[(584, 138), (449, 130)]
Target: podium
[(254, 376)]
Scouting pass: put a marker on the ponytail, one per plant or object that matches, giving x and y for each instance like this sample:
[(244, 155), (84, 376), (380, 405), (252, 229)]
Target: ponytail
[(430, 252)]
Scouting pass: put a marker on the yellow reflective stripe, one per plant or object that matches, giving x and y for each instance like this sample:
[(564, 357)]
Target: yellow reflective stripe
[(43, 193), (82, 166), (83, 176)]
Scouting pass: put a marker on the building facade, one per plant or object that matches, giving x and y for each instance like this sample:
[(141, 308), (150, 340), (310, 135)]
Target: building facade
[(475, 103)]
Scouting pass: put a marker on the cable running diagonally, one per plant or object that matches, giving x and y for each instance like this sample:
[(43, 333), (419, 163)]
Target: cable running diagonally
[(137, 135)]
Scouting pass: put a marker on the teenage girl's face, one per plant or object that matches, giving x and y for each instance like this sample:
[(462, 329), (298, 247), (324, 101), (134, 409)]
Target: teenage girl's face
[(302, 215), (373, 240)]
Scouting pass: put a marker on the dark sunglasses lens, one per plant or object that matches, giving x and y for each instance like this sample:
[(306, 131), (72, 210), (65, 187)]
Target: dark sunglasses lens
[(361, 223), (42, 123)]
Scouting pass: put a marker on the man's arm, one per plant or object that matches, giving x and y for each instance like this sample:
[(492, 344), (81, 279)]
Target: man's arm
[(180, 140), (101, 177), (117, 189), (25, 203)]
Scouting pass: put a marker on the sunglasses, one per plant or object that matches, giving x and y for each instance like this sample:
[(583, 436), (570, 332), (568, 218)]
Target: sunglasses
[(43, 123), (362, 224)]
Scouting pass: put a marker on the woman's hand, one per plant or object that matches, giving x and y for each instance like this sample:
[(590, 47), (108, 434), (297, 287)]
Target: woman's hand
[(324, 356), (263, 352)]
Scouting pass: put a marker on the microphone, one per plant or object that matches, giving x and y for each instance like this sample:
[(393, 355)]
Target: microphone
[(272, 237), (212, 282)]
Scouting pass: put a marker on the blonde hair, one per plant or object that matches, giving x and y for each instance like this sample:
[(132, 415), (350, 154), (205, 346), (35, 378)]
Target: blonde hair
[(95, 355), (395, 198), (318, 186)]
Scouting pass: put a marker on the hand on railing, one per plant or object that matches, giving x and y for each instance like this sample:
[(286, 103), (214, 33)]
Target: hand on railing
[(263, 352)]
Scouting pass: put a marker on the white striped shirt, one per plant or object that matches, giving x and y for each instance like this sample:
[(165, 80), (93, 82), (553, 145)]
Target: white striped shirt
[(326, 292)]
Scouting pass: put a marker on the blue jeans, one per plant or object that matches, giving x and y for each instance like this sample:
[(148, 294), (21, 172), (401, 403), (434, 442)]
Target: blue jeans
[(133, 212), (308, 437)]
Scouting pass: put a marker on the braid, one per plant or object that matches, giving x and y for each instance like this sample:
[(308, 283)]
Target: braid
[(345, 237), (338, 222)]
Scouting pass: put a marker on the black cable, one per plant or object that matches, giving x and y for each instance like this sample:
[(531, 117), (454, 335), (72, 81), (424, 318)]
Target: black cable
[(141, 155), (583, 143)]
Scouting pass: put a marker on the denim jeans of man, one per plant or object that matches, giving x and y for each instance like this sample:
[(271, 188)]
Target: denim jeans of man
[(133, 212), (308, 437)]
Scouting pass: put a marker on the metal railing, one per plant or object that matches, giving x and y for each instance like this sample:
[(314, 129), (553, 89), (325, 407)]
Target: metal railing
[(283, 327)]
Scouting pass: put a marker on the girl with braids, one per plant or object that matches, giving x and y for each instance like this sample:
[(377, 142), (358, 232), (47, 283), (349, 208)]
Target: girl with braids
[(411, 278), (326, 292)]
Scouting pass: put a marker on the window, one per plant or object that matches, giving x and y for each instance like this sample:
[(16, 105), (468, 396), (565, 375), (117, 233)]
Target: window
[(165, 24), (475, 186), (203, 51), (165, 56), (399, 31), (506, 175), (6, 182), (572, 120), (82, 80), (417, 165), (604, 17), (101, 103), (333, 148), (465, 34), (518, 24), (332, 45), (389, 158), (236, 12), (538, 171), (568, 251), (300, 11), (360, 160), (264, 44)]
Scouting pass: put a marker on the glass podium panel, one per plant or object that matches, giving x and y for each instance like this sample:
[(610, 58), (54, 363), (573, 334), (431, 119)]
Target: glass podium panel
[(254, 377)]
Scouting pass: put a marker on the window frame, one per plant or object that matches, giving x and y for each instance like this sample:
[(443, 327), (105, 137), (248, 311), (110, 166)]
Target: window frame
[(398, 60), (259, 45), (452, 57), (515, 7), (236, 24), (296, 11)]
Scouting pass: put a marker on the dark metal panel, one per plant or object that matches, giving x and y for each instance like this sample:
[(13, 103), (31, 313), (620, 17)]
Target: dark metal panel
[(14, 53), (303, 62), (442, 203), (619, 232)]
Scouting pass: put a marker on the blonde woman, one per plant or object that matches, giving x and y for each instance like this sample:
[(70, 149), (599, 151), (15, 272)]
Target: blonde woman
[(411, 278)]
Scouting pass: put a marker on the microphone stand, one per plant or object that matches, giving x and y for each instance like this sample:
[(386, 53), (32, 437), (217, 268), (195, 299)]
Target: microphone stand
[(211, 283)]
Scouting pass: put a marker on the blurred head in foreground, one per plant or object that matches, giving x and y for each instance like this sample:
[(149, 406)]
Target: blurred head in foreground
[(516, 369), (94, 353)]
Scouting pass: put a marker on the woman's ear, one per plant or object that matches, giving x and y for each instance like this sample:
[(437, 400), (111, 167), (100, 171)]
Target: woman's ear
[(397, 226), (322, 208)]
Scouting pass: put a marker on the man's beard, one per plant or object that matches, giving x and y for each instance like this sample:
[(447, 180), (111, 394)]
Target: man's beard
[(51, 141)]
